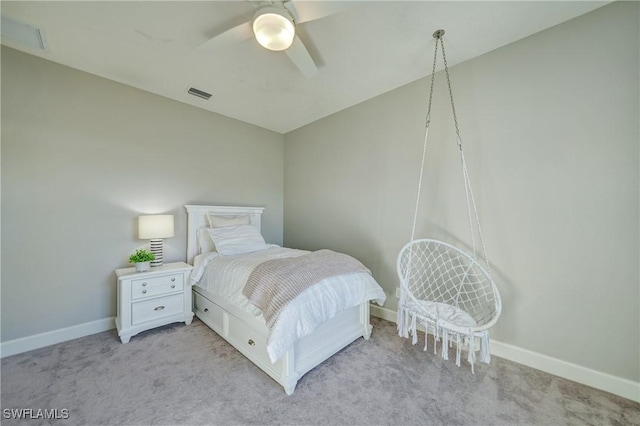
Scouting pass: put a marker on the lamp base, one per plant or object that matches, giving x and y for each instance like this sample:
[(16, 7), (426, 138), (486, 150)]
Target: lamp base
[(156, 249)]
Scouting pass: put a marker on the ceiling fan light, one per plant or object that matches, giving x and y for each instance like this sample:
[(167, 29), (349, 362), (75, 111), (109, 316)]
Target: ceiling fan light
[(273, 29)]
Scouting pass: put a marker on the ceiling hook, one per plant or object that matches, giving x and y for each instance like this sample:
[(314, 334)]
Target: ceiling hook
[(438, 34)]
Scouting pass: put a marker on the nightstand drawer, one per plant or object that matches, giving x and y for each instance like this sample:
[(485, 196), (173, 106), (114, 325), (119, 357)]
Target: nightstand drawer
[(160, 307), (155, 286)]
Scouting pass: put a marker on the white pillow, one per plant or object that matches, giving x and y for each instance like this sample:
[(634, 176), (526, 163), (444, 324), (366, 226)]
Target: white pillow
[(237, 239), (222, 221), (204, 241)]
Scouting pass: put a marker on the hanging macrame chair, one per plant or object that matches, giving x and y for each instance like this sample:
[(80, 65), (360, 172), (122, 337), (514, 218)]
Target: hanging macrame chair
[(443, 289)]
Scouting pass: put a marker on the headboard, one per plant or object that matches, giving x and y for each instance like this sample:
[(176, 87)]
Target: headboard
[(197, 218)]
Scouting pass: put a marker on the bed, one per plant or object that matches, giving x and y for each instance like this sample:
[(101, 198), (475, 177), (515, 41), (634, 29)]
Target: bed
[(302, 336)]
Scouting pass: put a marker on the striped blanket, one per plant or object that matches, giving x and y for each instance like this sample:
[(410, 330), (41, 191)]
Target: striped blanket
[(275, 283)]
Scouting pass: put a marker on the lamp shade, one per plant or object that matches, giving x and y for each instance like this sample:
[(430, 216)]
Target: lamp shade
[(155, 226), (273, 29)]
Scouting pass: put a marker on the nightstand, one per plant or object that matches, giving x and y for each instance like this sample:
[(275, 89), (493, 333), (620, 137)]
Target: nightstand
[(149, 299)]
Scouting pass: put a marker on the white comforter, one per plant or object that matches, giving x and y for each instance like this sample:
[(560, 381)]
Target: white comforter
[(226, 276)]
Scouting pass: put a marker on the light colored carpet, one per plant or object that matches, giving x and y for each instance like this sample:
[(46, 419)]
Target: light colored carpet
[(181, 374)]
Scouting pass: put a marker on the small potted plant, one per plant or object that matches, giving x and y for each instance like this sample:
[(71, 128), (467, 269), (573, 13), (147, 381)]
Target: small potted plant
[(142, 260)]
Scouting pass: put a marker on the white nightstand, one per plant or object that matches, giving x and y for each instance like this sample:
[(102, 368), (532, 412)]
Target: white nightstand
[(153, 298)]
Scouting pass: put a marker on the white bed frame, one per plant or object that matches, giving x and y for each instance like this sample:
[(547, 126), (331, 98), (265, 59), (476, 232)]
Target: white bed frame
[(249, 335)]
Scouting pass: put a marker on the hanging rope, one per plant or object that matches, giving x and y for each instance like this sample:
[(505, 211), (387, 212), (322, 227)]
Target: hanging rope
[(472, 211), (424, 146)]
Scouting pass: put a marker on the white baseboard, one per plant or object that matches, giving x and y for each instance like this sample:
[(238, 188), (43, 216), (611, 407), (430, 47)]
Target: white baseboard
[(586, 376), (29, 343), (384, 313)]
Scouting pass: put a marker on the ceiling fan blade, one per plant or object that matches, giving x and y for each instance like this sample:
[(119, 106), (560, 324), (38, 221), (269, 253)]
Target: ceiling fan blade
[(300, 56), (229, 37), (305, 11), (292, 10)]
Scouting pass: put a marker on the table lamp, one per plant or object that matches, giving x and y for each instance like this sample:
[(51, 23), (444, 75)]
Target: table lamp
[(155, 228)]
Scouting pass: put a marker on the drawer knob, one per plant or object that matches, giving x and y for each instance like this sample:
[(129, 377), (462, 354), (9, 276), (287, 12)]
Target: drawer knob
[(144, 284), (159, 308), (251, 342), (173, 279), (206, 310), (173, 286), (144, 291)]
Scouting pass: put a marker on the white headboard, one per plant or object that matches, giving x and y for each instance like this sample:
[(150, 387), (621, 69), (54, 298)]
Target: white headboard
[(197, 218)]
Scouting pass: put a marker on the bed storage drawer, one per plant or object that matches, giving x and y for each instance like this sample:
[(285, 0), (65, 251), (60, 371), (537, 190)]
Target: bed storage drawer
[(210, 311), (248, 341), (244, 337)]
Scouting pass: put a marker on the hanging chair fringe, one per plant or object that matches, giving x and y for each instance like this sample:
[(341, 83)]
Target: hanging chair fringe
[(414, 331), (485, 348), (408, 321), (400, 320), (471, 359), (445, 344)]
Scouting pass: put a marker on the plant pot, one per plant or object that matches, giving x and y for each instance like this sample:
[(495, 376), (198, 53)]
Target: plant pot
[(142, 266)]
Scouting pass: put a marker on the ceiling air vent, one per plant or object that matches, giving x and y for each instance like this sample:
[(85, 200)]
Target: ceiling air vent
[(23, 34), (199, 93)]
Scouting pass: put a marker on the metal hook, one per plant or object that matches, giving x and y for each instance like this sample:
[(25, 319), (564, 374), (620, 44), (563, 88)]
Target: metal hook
[(438, 34)]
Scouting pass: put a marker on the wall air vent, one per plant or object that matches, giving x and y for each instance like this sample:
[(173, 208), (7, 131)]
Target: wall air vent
[(199, 93), (23, 34)]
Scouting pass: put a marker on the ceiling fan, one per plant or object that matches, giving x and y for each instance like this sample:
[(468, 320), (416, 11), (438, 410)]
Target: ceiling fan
[(274, 27)]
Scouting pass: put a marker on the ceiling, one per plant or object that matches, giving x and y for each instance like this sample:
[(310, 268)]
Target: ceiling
[(366, 49)]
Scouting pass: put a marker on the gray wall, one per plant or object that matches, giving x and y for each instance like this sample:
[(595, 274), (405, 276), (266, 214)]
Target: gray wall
[(82, 157), (551, 132)]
